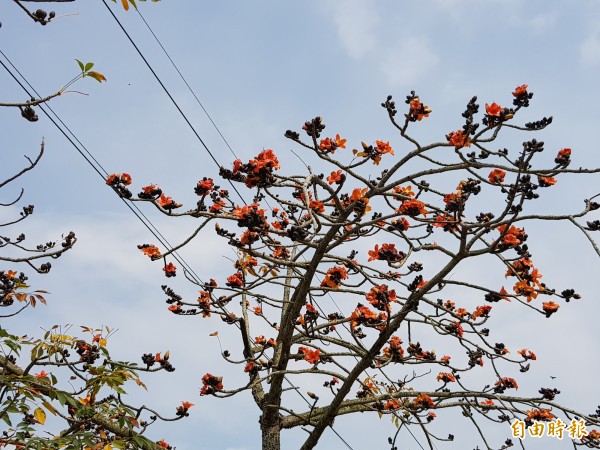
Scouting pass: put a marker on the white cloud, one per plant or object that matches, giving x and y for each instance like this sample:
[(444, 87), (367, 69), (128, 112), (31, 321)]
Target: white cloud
[(404, 64), (355, 22), (542, 22), (589, 51)]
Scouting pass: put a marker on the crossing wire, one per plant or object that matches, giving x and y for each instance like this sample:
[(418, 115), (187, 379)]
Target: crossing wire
[(156, 38), (95, 164), (195, 132)]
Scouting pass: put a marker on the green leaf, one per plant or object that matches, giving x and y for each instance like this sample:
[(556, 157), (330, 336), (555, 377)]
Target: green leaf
[(80, 65), (13, 346), (88, 66)]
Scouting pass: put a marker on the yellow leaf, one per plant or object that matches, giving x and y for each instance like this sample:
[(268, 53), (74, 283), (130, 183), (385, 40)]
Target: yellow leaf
[(125, 4), (49, 407), (216, 333), (108, 446), (96, 75), (40, 415), (102, 342), (102, 434)]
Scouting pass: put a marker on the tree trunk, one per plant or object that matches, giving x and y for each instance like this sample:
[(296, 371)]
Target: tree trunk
[(271, 437)]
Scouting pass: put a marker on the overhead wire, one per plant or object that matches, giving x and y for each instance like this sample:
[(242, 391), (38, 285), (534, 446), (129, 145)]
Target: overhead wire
[(94, 163), (195, 132), (191, 90), (183, 115)]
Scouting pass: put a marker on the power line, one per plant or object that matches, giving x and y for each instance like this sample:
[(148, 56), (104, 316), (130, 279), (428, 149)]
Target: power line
[(186, 83), (168, 94), (96, 165), (197, 135), (234, 154)]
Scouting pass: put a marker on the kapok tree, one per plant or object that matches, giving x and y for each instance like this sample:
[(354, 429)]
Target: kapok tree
[(338, 273)]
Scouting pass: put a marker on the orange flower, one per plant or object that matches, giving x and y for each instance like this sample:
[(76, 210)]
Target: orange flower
[(520, 90), (339, 142), (204, 303), (317, 206), (383, 148), (404, 191), (116, 178), (211, 384), (334, 276), (150, 189), (266, 158), (487, 402), (42, 374), (412, 208), (380, 297), (10, 274), (493, 110), (175, 308), (391, 405), (445, 359), (358, 194), (235, 280), (522, 288), (336, 177), (481, 311), (312, 356), (204, 186), (86, 401), (246, 210), (455, 328), (550, 308), (540, 414), (362, 202), (151, 251), (248, 237), (462, 312), (400, 224), (458, 139), (527, 354), (327, 144), (446, 377), (513, 236), (387, 252), (423, 401), (170, 270), (163, 444), (546, 181), (507, 383), (496, 176), (186, 405), (167, 202), (594, 435), (217, 206), (417, 110)]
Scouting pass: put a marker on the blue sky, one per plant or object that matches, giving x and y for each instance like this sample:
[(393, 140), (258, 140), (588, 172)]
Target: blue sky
[(261, 68)]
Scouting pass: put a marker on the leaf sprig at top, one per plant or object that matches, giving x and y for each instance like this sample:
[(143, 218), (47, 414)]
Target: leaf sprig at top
[(126, 3)]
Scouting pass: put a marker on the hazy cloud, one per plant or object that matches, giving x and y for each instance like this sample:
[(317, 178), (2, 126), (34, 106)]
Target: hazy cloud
[(589, 51), (409, 60), (355, 22)]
